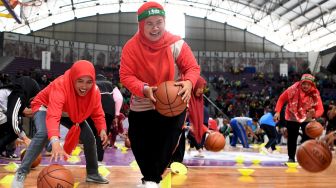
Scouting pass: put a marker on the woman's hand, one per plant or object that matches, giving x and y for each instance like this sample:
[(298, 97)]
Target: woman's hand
[(57, 151), (329, 138), (311, 113), (276, 116), (148, 92), (185, 91), (26, 141), (115, 123), (19, 142), (103, 138), (27, 112)]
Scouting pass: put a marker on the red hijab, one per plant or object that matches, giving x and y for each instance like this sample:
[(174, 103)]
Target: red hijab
[(152, 60), (299, 101), (196, 108), (77, 107)]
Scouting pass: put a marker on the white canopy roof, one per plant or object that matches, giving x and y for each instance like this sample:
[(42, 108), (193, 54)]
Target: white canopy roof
[(297, 25)]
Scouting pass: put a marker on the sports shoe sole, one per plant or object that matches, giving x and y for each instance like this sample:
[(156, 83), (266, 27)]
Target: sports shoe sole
[(96, 181)]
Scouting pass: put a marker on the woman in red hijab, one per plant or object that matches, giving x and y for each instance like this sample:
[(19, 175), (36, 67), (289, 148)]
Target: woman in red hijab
[(70, 99), (198, 130), (150, 57), (304, 104)]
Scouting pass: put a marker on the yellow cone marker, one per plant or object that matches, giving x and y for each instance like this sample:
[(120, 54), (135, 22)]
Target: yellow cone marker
[(239, 159), (11, 167), (134, 165), (76, 184), (103, 171), (256, 161), (7, 180), (262, 145), (246, 171), (76, 151), (166, 181), (74, 159), (291, 170), (178, 168), (292, 164), (123, 149), (178, 179)]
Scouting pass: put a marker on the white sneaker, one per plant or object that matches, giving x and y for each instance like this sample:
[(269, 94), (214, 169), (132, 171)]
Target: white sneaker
[(141, 185), (101, 163), (199, 154), (246, 149), (151, 184), (19, 179)]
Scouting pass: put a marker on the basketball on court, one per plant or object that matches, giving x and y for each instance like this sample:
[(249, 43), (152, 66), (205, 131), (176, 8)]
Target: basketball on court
[(55, 175), (36, 162), (215, 142), (314, 156), (168, 103), (314, 129)]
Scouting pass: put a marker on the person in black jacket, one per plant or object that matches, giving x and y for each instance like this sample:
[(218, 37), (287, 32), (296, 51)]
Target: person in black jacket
[(14, 103), (107, 91)]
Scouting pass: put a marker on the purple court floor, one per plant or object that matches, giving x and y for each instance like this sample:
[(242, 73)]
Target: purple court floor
[(120, 157)]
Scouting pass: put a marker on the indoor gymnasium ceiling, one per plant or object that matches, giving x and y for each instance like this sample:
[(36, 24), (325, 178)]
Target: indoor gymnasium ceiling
[(297, 25)]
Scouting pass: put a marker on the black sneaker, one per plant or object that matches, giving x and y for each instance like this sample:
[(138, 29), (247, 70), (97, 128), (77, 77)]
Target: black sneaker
[(291, 160), (96, 178), (12, 157)]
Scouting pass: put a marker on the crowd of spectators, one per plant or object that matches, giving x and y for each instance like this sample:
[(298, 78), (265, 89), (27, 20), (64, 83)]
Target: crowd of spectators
[(247, 94), (236, 93)]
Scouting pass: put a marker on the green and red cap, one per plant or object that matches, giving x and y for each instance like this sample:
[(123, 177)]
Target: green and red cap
[(308, 78), (150, 9)]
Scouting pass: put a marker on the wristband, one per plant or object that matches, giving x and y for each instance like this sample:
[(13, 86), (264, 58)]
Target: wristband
[(22, 134), (53, 140), (143, 89)]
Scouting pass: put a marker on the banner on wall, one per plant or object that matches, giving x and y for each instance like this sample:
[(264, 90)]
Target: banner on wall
[(46, 55), (283, 69)]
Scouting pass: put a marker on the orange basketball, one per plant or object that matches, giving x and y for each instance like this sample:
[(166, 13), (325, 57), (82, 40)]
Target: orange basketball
[(37, 160), (314, 156), (168, 103), (314, 129), (55, 175), (215, 141)]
